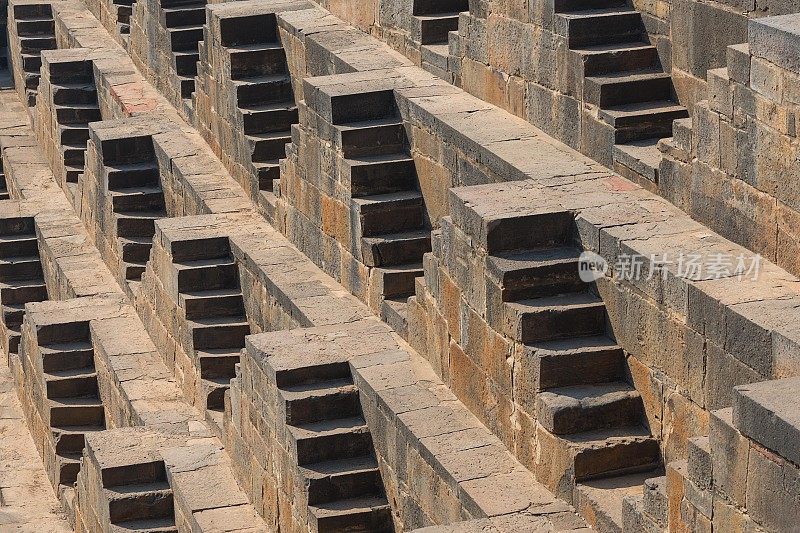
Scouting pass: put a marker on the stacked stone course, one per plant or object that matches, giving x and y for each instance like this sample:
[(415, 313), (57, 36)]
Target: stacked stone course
[(265, 269)]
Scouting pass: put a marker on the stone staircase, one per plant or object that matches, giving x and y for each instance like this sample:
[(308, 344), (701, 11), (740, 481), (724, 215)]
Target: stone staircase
[(591, 416), (59, 371), (137, 200), (264, 97), (75, 406), (124, 12), (212, 302), (141, 500), (35, 31), (75, 106), (331, 444), (393, 227), (433, 20), (622, 77), (21, 277), (136, 496), (184, 21)]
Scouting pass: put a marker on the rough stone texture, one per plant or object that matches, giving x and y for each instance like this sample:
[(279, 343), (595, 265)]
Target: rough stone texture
[(212, 252)]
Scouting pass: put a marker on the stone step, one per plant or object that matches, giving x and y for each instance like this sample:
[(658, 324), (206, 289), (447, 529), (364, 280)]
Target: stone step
[(186, 86), (18, 244), (327, 440), (31, 62), (74, 93), (14, 339), (553, 317), (269, 118), (398, 281), (134, 271), (36, 26), (124, 14), (286, 377), (526, 274), (159, 525), (20, 268), (122, 176), (70, 440), (185, 37), (315, 402), (201, 252), (576, 361), (383, 214), (255, 60), (76, 412), (128, 150), (434, 29), (640, 121), (621, 57), (268, 146), (219, 363), (189, 15), (569, 6), (215, 302), (148, 198), (214, 392), (612, 452), (369, 514), (66, 356), (433, 7), (207, 274), (581, 408), (342, 479), (261, 90), (68, 466), (600, 501), (36, 43), (32, 80), (383, 174), (74, 155), (600, 26), (139, 502), (186, 62), (655, 502), (372, 137), (396, 249), (73, 134), (133, 474), (219, 332), (642, 157), (77, 113), (32, 11), (266, 173), (22, 291), (68, 331), (73, 383), (72, 173), (135, 249), (137, 223), (366, 104), (13, 315), (627, 88)]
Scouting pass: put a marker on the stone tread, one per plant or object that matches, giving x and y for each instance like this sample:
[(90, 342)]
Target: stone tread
[(604, 498), (323, 428), (516, 261), (339, 466), (643, 157), (349, 506), (598, 13), (318, 389), (632, 113), (628, 76), (568, 301), (366, 124)]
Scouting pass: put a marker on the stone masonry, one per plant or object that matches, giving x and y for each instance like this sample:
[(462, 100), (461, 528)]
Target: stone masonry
[(399, 265)]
